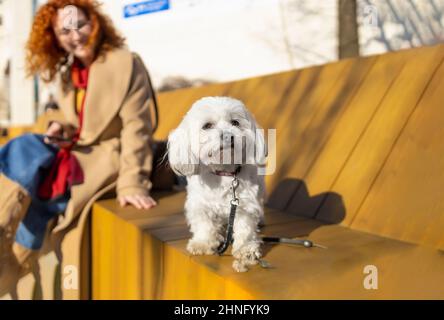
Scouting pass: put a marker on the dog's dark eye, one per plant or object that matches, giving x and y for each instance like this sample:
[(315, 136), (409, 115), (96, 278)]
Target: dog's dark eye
[(208, 125), (235, 123)]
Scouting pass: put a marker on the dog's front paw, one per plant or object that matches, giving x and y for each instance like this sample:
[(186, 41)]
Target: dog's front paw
[(196, 247), (239, 266), (247, 255)]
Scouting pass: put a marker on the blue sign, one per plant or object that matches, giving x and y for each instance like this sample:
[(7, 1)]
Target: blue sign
[(137, 9)]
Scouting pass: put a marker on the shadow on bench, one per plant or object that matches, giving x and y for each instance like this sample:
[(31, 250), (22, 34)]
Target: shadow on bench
[(142, 256)]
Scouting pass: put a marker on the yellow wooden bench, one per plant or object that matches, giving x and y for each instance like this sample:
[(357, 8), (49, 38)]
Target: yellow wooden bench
[(14, 132), (39, 127), (359, 170)]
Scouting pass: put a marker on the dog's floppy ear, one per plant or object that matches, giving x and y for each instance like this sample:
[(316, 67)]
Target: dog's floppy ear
[(182, 160)]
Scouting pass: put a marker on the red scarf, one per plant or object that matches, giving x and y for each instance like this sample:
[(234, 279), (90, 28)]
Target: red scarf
[(66, 171)]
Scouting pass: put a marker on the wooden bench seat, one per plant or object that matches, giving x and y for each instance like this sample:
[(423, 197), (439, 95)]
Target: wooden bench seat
[(359, 169), (143, 256), (300, 273)]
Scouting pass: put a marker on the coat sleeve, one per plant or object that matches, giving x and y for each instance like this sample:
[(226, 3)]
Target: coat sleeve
[(136, 153)]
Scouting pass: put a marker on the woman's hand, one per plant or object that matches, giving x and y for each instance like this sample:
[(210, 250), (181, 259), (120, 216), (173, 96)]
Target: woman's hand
[(57, 130), (138, 201)]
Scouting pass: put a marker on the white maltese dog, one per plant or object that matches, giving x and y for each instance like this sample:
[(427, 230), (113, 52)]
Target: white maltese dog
[(218, 144)]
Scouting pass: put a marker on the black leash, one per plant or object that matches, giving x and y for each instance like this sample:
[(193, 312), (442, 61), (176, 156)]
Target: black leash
[(234, 202), (306, 243)]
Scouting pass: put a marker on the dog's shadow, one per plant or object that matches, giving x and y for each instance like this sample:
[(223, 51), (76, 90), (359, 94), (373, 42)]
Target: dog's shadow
[(291, 197)]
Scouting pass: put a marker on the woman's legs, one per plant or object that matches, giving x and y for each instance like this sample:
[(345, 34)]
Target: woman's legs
[(23, 224), (22, 162), (32, 229), (14, 203)]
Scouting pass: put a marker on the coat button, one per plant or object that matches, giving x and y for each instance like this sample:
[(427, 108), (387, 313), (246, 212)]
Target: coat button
[(20, 196), (8, 232)]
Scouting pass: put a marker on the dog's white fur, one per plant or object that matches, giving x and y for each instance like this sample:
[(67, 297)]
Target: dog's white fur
[(194, 150)]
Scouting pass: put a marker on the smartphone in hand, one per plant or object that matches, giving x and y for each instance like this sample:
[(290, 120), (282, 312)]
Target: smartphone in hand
[(55, 139)]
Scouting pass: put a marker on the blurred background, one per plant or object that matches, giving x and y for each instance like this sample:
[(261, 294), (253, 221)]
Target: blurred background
[(194, 42)]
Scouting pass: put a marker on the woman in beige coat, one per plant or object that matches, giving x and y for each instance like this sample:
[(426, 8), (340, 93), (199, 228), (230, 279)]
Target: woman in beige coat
[(113, 112)]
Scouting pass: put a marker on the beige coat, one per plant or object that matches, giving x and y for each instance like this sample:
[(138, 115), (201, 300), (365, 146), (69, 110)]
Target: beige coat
[(113, 149)]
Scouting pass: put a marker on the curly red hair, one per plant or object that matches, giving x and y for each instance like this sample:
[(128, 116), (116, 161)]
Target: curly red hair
[(44, 54)]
